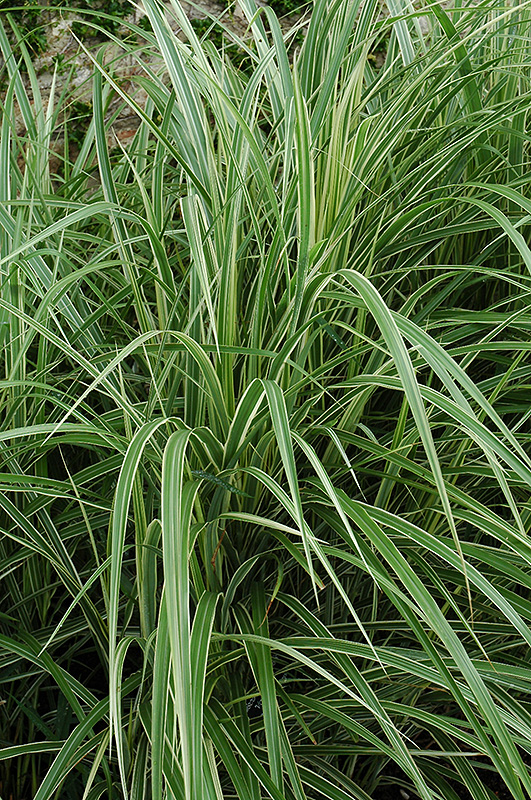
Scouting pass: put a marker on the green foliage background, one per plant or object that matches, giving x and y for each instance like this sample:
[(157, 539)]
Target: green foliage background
[(33, 19)]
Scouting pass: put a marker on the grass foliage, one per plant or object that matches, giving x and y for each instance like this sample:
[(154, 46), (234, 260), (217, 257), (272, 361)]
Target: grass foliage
[(265, 415)]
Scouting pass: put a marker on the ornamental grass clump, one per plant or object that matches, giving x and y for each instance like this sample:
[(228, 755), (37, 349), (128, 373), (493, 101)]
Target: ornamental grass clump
[(264, 441)]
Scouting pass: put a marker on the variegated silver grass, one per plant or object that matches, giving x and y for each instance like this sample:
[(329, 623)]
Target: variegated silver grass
[(265, 455)]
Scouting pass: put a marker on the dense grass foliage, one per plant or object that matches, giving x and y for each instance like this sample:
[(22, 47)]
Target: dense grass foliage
[(264, 439)]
